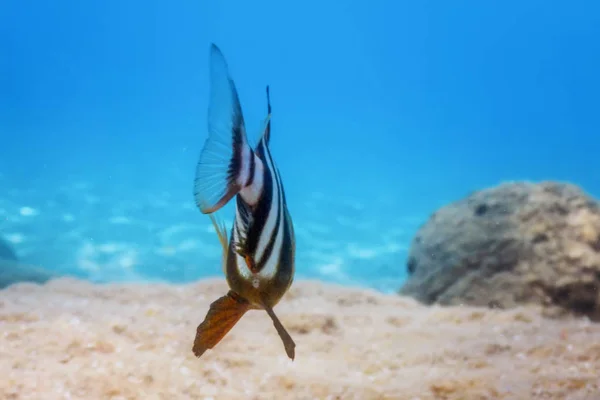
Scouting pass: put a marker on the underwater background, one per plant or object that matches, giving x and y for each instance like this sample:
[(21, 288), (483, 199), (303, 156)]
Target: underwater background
[(383, 112)]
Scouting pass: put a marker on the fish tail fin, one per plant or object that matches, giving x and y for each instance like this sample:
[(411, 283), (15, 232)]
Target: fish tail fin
[(222, 315), (288, 342), (224, 166)]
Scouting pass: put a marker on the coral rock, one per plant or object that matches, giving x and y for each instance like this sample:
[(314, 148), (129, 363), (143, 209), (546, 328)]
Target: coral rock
[(517, 243)]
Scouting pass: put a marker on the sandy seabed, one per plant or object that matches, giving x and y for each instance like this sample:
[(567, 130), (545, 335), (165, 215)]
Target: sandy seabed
[(70, 339)]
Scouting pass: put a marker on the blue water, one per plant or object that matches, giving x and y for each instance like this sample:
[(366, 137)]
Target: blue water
[(383, 111)]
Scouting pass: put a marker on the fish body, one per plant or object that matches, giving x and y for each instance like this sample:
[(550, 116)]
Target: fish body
[(259, 255)]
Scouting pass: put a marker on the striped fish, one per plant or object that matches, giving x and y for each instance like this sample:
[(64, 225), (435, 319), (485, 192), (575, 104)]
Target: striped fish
[(258, 257)]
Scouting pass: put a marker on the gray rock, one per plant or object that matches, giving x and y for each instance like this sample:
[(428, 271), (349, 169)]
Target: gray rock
[(518, 243), (13, 271), (6, 252)]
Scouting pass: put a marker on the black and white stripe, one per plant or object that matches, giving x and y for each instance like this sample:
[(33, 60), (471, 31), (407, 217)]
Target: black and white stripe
[(265, 231), (264, 224), (229, 167)]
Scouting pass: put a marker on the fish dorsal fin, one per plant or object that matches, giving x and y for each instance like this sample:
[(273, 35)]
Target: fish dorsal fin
[(266, 130), (219, 172)]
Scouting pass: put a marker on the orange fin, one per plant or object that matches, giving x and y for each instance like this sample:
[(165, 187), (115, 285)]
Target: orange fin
[(288, 342), (222, 315)]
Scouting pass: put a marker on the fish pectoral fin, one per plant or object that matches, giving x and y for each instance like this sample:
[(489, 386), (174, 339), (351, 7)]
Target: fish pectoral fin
[(221, 230), (288, 342), (222, 315), (223, 165)]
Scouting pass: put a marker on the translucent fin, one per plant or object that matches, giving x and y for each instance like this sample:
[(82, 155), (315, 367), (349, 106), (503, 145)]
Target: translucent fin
[(221, 159), (257, 135), (266, 133), (222, 315), (221, 231)]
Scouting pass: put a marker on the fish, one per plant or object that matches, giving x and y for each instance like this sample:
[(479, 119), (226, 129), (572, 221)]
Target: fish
[(259, 255)]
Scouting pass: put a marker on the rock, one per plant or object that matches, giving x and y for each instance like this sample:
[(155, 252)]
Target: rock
[(13, 271), (518, 243)]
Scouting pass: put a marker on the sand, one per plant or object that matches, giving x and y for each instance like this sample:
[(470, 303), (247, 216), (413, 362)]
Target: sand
[(70, 339)]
